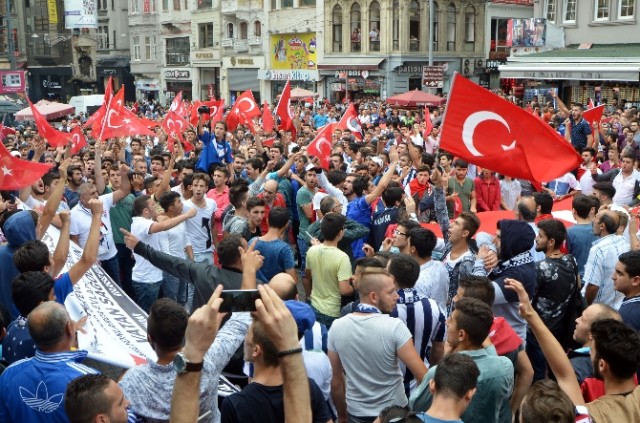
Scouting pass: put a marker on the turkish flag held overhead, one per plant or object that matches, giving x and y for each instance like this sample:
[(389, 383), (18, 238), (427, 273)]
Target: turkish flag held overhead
[(216, 107), (16, 173), (321, 145), (283, 111), (267, 119), (268, 142), (174, 126), (108, 95), (591, 104), (350, 121), (242, 111), (5, 130), (78, 140), (428, 124), (54, 137), (119, 121), (488, 131), (593, 116), (178, 106)]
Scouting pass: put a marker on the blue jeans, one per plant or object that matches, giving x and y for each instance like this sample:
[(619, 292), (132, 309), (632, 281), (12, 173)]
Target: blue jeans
[(146, 293), (170, 286), (302, 250), (323, 318), (112, 269), (360, 419), (538, 362)]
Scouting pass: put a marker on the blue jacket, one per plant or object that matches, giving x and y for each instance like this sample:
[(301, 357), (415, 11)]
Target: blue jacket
[(18, 229), (210, 154)]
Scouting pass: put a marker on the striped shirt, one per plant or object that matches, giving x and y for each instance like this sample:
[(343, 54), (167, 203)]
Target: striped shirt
[(599, 268), (630, 312), (315, 338)]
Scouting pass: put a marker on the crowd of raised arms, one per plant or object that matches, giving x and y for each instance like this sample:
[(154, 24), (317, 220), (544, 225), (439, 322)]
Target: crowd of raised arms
[(382, 297)]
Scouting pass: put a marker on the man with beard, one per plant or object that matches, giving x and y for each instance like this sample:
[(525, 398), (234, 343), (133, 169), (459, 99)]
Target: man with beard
[(75, 179), (373, 384)]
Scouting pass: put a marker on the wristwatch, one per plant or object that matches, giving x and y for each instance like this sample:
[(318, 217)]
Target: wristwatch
[(182, 365)]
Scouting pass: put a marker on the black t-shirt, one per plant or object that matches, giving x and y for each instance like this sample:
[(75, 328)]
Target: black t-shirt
[(258, 403)]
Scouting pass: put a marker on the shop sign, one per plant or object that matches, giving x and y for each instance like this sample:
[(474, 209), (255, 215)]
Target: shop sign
[(433, 76), (286, 75), (564, 75), (109, 71), (204, 56), (177, 74), (493, 64), (409, 69), (242, 61), (342, 74), (51, 84)]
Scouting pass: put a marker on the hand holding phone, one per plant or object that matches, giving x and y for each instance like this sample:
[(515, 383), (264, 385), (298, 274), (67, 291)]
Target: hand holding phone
[(239, 300)]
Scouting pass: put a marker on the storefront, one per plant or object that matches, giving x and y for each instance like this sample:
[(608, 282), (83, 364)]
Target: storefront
[(176, 80), (343, 80), (119, 70), (239, 74), (51, 83), (147, 89), (276, 80), (206, 74)]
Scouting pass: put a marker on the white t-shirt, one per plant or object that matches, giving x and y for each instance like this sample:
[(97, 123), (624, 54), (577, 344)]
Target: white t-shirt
[(586, 182), (143, 270), (81, 223), (198, 228), (174, 241), (563, 184)]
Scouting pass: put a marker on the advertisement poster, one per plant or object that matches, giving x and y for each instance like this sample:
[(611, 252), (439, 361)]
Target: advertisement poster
[(12, 81), (53, 11), (294, 51), (80, 14), (528, 32)]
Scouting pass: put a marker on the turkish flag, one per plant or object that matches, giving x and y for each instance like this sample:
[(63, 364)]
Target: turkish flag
[(243, 110), (282, 111), (321, 145), (78, 140), (119, 121), (174, 126), (178, 106), (268, 142), (16, 173), (593, 116), (54, 137), (591, 104), (108, 96), (215, 106), (5, 130), (428, 125), (350, 121), (267, 119), (488, 131)]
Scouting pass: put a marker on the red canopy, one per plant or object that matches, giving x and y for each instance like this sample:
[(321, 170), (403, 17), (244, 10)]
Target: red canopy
[(416, 98), (49, 109)]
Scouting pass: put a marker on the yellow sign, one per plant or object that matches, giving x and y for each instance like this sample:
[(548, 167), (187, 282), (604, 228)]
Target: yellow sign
[(53, 11), (294, 51)]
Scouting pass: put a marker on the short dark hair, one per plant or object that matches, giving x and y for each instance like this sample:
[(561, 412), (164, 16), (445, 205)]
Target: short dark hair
[(617, 344), (158, 158), (423, 240), (405, 269), (167, 324), (456, 374), (31, 256), (605, 188), (255, 202), (478, 287), (392, 195), (368, 262), (228, 252), (553, 229), (460, 163), (29, 289), (85, 398), (526, 213), (256, 163), (331, 225), (360, 184), (49, 177), (139, 204), (167, 199), (589, 150), (610, 224), (222, 169), (631, 262), (278, 217), (475, 318), (149, 180), (582, 205), (544, 200), (261, 337), (471, 222), (238, 194), (546, 402), (327, 204)]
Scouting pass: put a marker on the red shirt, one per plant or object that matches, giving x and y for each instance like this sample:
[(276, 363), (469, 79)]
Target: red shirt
[(487, 194), (278, 201), (222, 201)]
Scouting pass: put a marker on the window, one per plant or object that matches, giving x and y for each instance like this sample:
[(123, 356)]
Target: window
[(178, 51), (396, 25), (336, 29), (257, 29), (307, 2), (165, 5), (451, 27), (436, 26), (374, 26), (274, 4), (136, 48), (551, 10), (601, 10), (356, 36), (134, 6), (470, 25), (229, 30), (176, 5), (147, 48), (244, 30), (204, 4), (205, 35), (569, 15), (286, 3), (414, 26), (154, 49), (626, 9)]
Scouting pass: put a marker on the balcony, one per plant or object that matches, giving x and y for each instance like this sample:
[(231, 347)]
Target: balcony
[(227, 42), (240, 46), (233, 7), (255, 41), (253, 44)]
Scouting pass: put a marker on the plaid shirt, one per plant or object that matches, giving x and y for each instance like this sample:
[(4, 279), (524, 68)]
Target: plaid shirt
[(601, 263)]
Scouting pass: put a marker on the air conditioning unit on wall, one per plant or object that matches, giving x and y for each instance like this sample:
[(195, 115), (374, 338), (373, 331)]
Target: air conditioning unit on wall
[(468, 65)]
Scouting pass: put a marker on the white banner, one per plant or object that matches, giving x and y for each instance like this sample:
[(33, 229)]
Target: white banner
[(80, 14), (117, 327)]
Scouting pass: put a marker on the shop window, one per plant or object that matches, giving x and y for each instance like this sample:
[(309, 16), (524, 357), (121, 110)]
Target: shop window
[(396, 25), (286, 3), (569, 15), (601, 10), (177, 53), (356, 36), (414, 26), (436, 26), (626, 9), (336, 30), (470, 28), (229, 30), (451, 27), (257, 29), (374, 26), (550, 7), (205, 35), (244, 30)]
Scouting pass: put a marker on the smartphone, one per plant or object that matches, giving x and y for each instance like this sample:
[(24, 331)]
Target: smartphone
[(239, 300)]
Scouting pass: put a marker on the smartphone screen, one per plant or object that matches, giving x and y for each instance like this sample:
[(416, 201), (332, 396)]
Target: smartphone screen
[(239, 300)]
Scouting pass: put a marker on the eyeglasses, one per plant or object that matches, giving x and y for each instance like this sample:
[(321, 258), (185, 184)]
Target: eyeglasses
[(397, 232)]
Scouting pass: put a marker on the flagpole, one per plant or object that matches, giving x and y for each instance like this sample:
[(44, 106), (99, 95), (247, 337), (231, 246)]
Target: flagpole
[(106, 117)]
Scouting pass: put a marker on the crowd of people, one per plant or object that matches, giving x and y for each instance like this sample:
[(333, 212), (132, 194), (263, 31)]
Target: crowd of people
[(365, 314)]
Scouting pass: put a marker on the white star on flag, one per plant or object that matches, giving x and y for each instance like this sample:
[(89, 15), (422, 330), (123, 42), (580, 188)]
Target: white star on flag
[(6, 170)]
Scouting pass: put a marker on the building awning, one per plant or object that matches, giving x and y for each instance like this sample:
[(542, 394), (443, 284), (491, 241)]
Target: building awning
[(148, 85), (358, 63), (571, 71)]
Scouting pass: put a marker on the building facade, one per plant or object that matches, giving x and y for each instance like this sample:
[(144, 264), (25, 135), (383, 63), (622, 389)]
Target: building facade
[(146, 48)]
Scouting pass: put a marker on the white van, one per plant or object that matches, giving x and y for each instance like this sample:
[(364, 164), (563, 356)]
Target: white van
[(87, 103)]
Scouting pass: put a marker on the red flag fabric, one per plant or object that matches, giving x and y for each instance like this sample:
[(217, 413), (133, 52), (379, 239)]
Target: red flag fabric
[(243, 110), (174, 126), (98, 114), (78, 140), (428, 125), (282, 111), (119, 121), (593, 116), (591, 104), (5, 130), (321, 145), (177, 105), (267, 119), (212, 104), (350, 121), (488, 131), (16, 173), (54, 137), (268, 142)]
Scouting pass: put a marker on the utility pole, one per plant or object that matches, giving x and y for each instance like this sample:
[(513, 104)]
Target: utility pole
[(11, 48), (430, 32)]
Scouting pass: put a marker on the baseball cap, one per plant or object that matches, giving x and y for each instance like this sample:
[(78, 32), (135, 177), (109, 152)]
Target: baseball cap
[(311, 166), (302, 314)]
